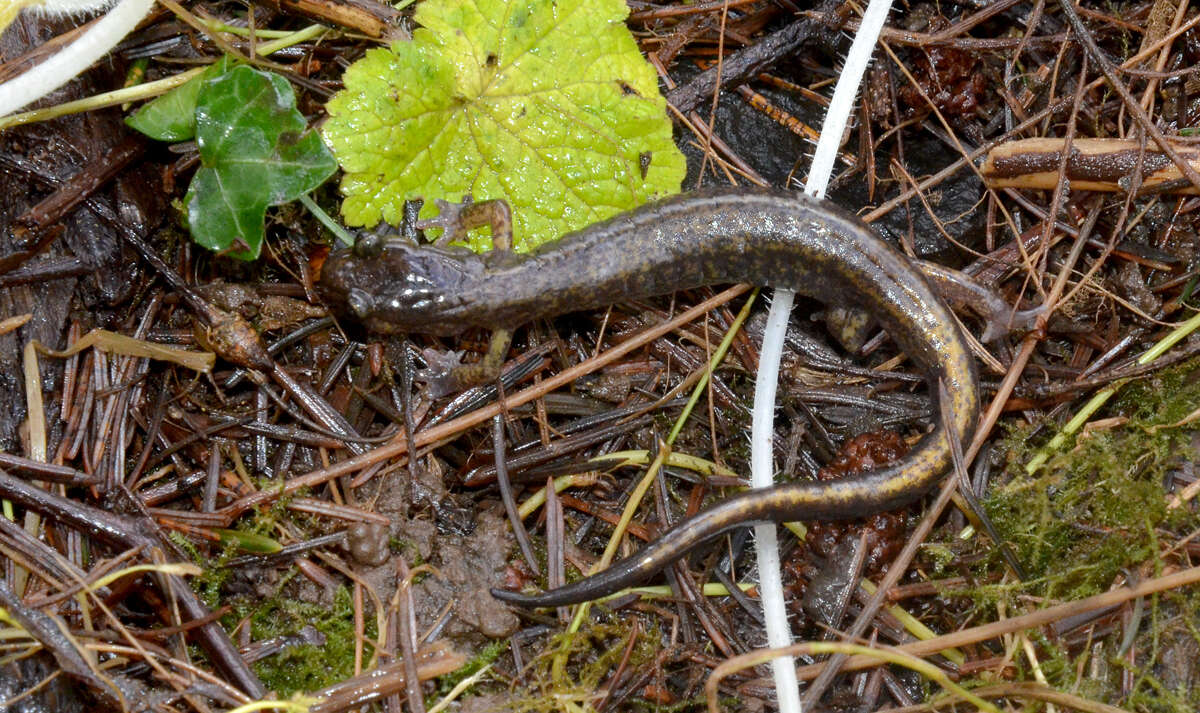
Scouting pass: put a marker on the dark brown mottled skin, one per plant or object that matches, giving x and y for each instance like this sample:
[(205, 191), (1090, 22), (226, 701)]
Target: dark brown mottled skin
[(772, 238)]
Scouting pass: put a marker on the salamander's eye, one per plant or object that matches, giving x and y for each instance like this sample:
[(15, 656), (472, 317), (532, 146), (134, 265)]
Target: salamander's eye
[(368, 245), (360, 302)]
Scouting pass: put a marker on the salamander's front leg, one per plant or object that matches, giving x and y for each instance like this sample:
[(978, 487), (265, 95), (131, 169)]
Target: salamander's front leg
[(487, 369), (446, 374), (455, 220)]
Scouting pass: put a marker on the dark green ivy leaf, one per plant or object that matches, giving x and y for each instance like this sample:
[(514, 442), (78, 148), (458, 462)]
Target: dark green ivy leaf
[(255, 152)]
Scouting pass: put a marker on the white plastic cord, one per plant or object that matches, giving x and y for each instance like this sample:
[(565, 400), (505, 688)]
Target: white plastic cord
[(762, 467), (74, 59), (762, 475)]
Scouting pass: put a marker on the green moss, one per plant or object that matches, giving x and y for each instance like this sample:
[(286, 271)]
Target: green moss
[(594, 653), (1094, 513), (940, 556), (407, 549), (486, 656), (695, 703), (1100, 506), (305, 667), (209, 583), (1166, 675)]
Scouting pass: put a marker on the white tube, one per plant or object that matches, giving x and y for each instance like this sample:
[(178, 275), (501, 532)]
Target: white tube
[(763, 422), (74, 59)]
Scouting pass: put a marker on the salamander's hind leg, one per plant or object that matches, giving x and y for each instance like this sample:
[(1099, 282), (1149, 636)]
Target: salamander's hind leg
[(852, 326), (961, 290)]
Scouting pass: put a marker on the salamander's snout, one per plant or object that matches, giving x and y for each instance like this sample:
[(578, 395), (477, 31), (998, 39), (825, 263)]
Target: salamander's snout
[(345, 284), (401, 287)]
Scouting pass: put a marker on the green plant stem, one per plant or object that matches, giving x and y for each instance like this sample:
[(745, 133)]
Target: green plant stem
[(147, 90), (334, 227), (559, 665), (218, 26), (717, 357)]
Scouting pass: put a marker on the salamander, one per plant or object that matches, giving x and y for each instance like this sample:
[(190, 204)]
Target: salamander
[(763, 237)]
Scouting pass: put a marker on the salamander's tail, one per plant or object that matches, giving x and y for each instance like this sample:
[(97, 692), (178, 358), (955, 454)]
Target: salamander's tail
[(843, 499)]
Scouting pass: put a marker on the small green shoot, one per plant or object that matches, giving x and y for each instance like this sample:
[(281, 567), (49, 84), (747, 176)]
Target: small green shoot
[(248, 541), (545, 103)]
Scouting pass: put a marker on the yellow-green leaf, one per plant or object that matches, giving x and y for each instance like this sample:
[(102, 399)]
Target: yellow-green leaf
[(545, 103)]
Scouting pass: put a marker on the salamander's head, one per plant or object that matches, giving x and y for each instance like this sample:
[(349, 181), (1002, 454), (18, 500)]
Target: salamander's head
[(396, 286)]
